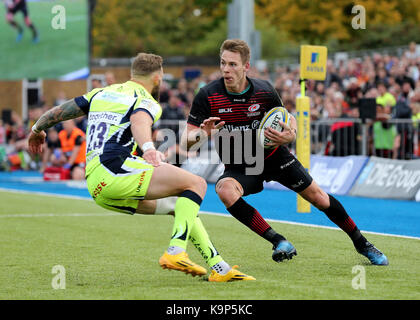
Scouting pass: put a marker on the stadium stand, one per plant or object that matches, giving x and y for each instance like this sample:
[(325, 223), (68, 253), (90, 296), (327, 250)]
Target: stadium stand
[(337, 129)]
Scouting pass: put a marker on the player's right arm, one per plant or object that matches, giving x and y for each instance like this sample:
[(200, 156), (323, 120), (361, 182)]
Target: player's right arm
[(66, 111), (200, 125), (70, 109), (146, 112)]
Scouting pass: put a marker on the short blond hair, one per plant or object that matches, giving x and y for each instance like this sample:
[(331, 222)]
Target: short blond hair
[(239, 46), (145, 64)]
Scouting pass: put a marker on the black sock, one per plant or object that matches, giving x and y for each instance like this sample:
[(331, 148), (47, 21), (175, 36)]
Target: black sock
[(272, 236), (337, 214), (358, 239), (34, 32), (250, 217), (16, 26)]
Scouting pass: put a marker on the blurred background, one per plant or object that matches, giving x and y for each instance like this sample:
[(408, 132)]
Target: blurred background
[(368, 105)]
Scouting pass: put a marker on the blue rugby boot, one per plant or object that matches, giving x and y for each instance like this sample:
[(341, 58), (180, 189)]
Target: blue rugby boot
[(19, 37), (283, 250), (375, 256)]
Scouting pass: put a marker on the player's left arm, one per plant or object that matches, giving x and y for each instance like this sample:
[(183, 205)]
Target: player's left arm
[(66, 111)]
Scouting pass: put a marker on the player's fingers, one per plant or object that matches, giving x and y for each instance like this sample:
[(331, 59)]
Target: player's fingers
[(219, 125), (213, 119), (161, 157), (285, 126), (271, 133), (271, 144)]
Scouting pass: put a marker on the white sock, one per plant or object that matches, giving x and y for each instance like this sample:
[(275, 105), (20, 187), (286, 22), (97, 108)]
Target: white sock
[(173, 250), (165, 205), (222, 267)]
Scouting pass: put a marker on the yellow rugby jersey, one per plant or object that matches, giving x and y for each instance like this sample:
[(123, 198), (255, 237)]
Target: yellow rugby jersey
[(109, 140)]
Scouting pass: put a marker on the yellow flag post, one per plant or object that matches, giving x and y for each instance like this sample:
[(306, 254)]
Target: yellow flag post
[(313, 65)]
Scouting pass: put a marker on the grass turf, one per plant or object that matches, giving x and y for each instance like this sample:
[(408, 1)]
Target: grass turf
[(59, 51), (115, 256)]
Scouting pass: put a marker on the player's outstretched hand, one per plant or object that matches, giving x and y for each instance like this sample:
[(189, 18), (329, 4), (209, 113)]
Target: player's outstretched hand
[(210, 125), (154, 157), (280, 138), (36, 142)]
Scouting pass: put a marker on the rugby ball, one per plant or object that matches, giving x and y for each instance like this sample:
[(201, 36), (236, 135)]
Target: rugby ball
[(271, 120)]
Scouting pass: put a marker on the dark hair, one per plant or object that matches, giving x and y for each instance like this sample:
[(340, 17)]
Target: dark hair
[(145, 64), (239, 46), (381, 82)]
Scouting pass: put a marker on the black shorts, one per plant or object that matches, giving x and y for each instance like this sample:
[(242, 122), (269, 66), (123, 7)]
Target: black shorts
[(21, 6), (285, 169)]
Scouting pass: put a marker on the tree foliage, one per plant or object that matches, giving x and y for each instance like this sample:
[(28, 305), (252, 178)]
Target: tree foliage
[(170, 27), (321, 22), (197, 27)]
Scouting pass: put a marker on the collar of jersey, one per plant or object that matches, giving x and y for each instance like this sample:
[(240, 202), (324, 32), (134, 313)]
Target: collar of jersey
[(240, 93), (134, 84)]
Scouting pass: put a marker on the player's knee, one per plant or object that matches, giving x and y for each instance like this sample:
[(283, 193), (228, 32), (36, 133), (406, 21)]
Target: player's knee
[(78, 173), (227, 193), (9, 17), (199, 185), (318, 198)]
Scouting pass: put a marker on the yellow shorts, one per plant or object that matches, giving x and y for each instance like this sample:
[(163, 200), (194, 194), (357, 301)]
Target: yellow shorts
[(121, 192)]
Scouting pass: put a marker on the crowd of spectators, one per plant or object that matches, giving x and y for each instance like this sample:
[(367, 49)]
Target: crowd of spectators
[(392, 81)]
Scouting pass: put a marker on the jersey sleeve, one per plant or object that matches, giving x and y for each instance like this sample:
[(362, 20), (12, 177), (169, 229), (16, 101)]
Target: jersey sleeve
[(84, 101), (149, 106), (200, 109)]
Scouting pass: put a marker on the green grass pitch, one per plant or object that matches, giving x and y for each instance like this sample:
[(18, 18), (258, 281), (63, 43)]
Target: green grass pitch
[(115, 256), (59, 51)]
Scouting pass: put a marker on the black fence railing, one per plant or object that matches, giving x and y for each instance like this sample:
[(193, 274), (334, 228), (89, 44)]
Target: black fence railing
[(395, 138)]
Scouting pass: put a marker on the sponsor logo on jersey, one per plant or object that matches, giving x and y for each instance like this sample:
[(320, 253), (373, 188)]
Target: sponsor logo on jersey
[(105, 116), (253, 114), (239, 100), (115, 97), (296, 185), (141, 181), (287, 164), (254, 107), (255, 124), (150, 106), (98, 189), (225, 110), (231, 127)]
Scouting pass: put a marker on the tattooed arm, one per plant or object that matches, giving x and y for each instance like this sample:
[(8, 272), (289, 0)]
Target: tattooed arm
[(66, 111)]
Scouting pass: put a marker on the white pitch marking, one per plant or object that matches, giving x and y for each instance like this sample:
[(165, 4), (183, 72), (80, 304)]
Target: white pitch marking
[(202, 212)]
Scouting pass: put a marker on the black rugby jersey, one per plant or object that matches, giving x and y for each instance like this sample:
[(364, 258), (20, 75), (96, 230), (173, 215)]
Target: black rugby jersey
[(242, 114)]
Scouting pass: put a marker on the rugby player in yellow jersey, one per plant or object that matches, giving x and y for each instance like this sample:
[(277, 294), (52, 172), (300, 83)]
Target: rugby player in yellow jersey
[(120, 117)]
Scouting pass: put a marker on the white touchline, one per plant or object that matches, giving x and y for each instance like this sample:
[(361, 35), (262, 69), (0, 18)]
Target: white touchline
[(315, 226), (43, 215), (201, 212)]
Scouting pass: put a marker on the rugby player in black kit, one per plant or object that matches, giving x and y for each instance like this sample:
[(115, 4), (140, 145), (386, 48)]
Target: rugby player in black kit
[(236, 103), (13, 7)]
